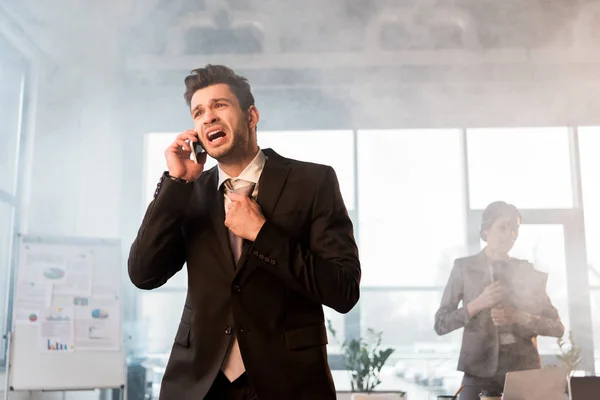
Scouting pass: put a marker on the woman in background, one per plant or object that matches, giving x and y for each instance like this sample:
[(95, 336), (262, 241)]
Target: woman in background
[(497, 337)]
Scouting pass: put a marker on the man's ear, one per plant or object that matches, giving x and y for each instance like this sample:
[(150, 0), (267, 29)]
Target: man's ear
[(253, 117)]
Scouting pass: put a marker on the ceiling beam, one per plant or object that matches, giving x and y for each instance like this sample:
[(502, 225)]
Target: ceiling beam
[(562, 57)]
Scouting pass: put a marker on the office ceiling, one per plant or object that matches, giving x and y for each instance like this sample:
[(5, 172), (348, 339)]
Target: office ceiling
[(170, 32)]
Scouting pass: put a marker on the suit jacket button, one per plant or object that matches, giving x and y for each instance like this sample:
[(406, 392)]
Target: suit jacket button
[(272, 262), (228, 330), (237, 288), (267, 259), (255, 252), (262, 257)]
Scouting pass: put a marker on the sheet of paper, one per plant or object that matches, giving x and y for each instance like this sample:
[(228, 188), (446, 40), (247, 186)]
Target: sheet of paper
[(56, 330), (78, 278), (42, 266), (104, 282), (30, 298), (35, 295), (97, 324), (69, 271)]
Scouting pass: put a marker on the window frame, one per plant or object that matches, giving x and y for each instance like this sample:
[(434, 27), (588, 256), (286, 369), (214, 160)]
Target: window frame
[(26, 103)]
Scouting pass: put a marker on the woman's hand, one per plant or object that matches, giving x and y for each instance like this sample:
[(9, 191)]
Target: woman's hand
[(490, 297), (509, 315)]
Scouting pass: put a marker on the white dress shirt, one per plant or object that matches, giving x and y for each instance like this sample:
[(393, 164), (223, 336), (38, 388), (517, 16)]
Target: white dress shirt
[(251, 173)]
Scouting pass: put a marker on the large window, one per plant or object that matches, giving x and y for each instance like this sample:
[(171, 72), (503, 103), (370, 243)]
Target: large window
[(415, 197)]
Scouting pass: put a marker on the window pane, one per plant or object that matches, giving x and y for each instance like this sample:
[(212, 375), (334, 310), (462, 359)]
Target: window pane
[(161, 313), (423, 362), (6, 241), (334, 148), (10, 116), (337, 322), (529, 167), (411, 206), (589, 143)]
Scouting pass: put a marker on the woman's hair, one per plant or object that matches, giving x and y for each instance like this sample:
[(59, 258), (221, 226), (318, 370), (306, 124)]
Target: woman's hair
[(494, 211)]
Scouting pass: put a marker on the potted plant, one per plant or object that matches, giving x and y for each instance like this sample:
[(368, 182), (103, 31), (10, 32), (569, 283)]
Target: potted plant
[(570, 356), (363, 358), (570, 352)]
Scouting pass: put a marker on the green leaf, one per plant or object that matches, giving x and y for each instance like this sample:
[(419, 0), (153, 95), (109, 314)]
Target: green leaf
[(363, 358)]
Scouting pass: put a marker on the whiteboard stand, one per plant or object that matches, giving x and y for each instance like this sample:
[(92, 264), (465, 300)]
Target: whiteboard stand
[(30, 370), (8, 388)]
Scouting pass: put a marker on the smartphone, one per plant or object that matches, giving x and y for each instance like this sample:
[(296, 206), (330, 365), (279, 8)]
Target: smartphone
[(196, 149)]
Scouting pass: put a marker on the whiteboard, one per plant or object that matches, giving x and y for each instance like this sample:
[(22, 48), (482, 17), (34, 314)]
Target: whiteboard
[(67, 290)]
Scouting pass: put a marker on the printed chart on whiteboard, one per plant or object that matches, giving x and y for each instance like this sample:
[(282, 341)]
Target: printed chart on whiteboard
[(64, 291)]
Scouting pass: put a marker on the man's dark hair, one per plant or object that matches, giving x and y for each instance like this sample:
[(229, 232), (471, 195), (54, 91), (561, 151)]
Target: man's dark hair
[(201, 78)]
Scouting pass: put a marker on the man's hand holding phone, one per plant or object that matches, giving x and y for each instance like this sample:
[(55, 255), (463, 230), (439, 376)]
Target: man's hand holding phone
[(178, 154)]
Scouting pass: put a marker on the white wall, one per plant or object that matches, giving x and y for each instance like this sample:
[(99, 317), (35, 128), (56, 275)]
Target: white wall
[(75, 180)]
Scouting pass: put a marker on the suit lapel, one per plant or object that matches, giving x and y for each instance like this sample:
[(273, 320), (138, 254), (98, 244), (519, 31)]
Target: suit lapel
[(271, 182), (216, 209)]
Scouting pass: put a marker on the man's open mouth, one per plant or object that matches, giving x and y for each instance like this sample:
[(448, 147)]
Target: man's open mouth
[(215, 135)]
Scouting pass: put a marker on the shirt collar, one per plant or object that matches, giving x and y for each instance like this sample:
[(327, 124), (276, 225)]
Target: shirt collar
[(251, 173)]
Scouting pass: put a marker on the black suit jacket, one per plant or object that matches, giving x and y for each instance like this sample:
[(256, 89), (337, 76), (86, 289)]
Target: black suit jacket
[(480, 342), (305, 256)]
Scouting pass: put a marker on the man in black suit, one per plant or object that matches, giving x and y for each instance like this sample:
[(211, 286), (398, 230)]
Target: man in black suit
[(267, 242)]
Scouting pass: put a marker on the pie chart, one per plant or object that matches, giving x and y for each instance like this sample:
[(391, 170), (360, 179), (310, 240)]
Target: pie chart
[(54, 273), (99, 313)]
